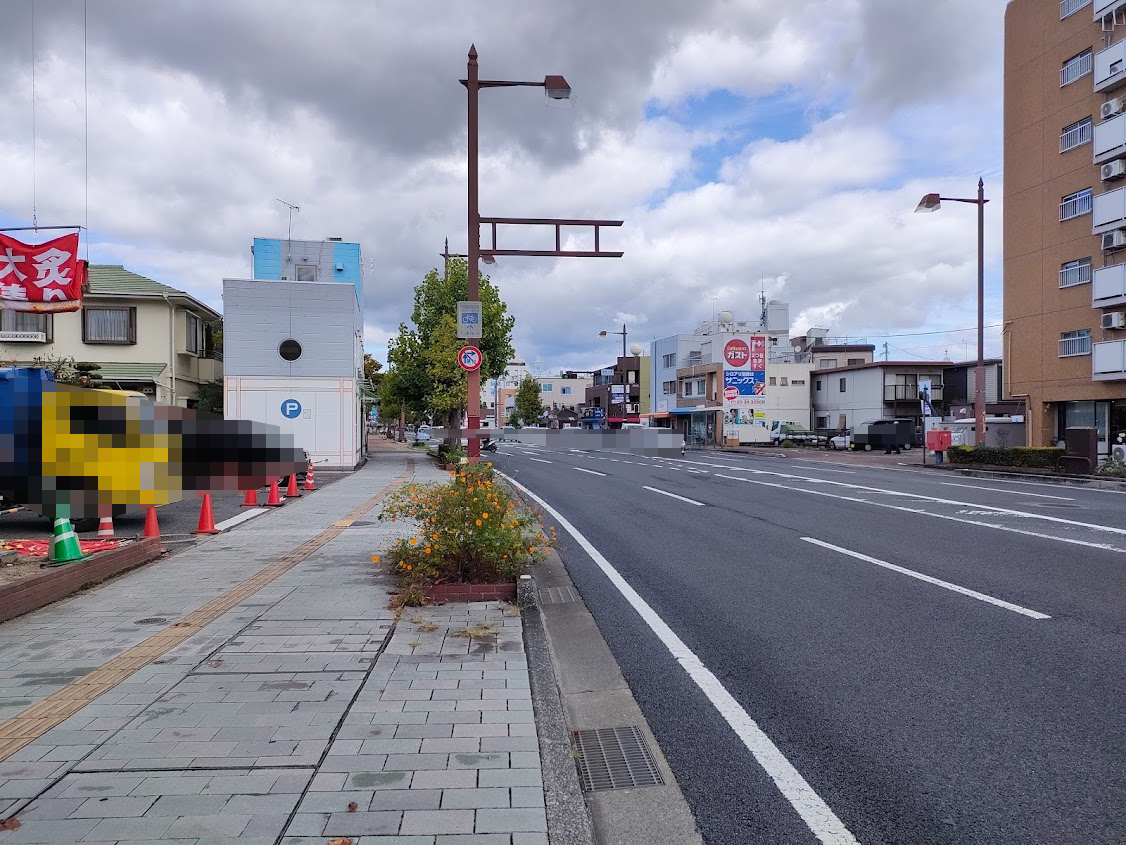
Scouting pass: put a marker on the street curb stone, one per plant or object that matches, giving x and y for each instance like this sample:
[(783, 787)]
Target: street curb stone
[(568, 819)]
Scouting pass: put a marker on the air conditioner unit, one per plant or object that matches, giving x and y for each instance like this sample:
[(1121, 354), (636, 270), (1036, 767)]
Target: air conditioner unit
[(1110, 108), (1113, 170), (1114, 240), (1114, 320), (1118, 452)]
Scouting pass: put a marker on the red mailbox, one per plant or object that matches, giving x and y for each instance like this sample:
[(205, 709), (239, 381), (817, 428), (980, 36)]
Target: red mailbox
[(939, 440)]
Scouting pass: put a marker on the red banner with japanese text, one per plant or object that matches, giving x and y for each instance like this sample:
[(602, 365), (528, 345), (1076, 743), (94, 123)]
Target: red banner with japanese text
[(46, 277)]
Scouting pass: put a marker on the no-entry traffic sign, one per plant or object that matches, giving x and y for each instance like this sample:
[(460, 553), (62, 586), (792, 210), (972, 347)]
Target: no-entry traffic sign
[(469, 357)]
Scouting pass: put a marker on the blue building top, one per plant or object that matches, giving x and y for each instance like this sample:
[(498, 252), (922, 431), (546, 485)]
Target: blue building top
[(330, 260)]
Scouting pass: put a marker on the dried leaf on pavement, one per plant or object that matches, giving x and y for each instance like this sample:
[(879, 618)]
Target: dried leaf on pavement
[(341, 841), (353, 806), (10, 824)]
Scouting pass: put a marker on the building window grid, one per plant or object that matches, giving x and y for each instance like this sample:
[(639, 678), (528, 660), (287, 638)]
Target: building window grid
[(1076, 68), (1076, 343), (1076, 135), (28, 321), (668, 361), (1070, 7), (1076, 272), (109, 325), (1075, 205), (668, 388)]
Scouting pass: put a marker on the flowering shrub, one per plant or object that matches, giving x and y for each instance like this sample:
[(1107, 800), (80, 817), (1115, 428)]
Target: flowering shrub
[(471, 530)]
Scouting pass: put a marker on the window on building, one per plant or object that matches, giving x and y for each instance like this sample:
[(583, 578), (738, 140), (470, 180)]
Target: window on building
[(193, 328), (1077, 272), (109, 325), (701, 387), (1075, 205), (798, 382), (668, 388), (827, 363), (1076, 135), (566, 390), (669, 360), (25, 321), (817, 384), (687, 388), (1070, 7), (771, 381), (854, 362), (546, 387), (1076, 68), (822, 422), (1075, 343), (305, 272), (783, 381), (842, 387)]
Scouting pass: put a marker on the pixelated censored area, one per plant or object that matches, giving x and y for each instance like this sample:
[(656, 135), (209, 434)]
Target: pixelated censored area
[(82, 453)]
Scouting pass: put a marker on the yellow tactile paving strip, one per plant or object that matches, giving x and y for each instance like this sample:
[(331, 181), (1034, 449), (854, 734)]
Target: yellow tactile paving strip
[(36, 720)]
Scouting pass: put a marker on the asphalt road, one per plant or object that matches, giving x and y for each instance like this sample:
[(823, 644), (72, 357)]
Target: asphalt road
[(177, 520), (962, 681)]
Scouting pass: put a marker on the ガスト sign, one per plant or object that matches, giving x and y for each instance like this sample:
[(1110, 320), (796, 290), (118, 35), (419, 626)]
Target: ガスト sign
[(41, 277), (736, 353)]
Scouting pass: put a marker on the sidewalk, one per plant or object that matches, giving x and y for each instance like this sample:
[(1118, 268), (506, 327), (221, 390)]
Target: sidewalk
[(257, 689)]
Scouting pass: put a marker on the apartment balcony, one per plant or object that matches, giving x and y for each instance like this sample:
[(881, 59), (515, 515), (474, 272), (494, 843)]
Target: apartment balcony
[(1108, 286), (909, 393), (1110, 68), (1070, 7), (1108, 139), (1101, 10), (1108, 361), (1109, 211)]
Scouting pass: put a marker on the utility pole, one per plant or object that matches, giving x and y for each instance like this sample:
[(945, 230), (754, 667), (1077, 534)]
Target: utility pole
[(885, 350)]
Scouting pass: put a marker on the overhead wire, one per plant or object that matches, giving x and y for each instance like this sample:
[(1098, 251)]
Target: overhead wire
[(86, 120), (34, 195)]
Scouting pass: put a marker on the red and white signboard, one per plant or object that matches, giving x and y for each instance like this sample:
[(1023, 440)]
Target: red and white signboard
[(736, 353), (469, 357), (44, 277), (758, 353), (730, 393)]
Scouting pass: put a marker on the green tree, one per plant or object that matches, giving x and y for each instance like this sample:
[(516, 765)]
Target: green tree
[(529, 408), (423, 375), (209, 397)]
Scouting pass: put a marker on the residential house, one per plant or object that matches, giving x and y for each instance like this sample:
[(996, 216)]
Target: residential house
[(146, 336), (614, 397), (847, 396), (1064, 209)]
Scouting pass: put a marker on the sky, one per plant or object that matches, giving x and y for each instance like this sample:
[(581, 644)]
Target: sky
[(748, 146)]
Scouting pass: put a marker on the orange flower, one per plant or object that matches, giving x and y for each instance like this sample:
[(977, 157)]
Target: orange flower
[(409, 567), (435, 536), (478, 522), (414, 540), (531, 550), (428, 550), (375, 558), (485, 515)]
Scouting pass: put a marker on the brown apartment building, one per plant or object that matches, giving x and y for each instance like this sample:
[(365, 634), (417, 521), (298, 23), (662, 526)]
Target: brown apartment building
[(1065, 215)]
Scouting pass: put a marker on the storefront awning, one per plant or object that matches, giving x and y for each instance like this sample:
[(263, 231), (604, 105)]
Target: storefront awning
[(682, 412)]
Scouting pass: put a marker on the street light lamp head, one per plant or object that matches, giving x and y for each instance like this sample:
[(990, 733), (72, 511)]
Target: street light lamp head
[(488, 258), (557, 87), (602, 333), (929, 203)]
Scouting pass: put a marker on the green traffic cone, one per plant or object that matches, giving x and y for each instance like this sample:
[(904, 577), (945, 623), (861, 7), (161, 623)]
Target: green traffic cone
[(64, 545)]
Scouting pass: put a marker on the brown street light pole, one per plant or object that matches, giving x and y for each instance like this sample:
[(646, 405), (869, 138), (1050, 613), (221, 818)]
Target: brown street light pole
[(556, 88), (932, 202)]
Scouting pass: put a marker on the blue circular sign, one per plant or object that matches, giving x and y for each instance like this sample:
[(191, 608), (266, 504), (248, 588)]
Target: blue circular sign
[(291, 409)]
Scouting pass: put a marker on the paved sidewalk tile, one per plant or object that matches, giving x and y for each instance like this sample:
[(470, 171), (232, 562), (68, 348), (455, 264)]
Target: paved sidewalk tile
[(306, 712)]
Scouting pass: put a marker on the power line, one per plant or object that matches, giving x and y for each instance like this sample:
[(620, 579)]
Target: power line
[(943, 331)]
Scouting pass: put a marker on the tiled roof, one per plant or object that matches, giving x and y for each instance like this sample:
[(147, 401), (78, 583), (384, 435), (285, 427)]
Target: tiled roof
[(112, 372), (108, 279)]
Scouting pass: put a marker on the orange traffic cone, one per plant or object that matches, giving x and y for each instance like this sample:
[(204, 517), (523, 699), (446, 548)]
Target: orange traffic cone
[(251, 499), (105, 528), (275, 496), (206, 518), (152, 528), (291, 491), (309, 483)]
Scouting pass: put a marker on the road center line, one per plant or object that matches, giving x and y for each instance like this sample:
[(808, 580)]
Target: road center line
[(817, 815), (591, 471), (1016, 608), (1103, 546), (539, 460), (673, 495), (1011, 492)]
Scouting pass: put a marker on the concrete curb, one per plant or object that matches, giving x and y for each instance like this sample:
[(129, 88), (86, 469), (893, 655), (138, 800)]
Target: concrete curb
[(568, 819), (1059, 480)]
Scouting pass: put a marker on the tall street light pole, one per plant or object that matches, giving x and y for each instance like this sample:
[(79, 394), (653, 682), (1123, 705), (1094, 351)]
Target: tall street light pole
[(625, 383), (933, 202), (556, 88)]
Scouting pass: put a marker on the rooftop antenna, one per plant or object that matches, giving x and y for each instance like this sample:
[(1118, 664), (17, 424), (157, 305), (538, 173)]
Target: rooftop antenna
[(762, 300), (289, 238)]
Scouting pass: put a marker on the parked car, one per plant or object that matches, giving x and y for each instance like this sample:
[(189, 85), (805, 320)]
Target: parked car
[(782, 431), (842, 441), (871, 435), (300, 474)]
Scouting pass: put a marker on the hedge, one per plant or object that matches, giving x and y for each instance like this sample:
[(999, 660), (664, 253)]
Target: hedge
[(1001, 456)]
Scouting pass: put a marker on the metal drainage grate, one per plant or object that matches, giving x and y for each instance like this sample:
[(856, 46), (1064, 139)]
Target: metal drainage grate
[(361, 523), (152, 620), (615, 758), (558, 595)]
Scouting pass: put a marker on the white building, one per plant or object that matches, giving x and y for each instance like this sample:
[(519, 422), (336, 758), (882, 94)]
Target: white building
[(294, 359)]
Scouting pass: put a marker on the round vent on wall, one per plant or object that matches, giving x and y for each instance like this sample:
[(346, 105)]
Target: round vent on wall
[(290, 350)]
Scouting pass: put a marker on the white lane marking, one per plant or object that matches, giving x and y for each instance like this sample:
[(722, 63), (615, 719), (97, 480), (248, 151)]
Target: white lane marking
[(1010, 492), (817, 815), (965, 591), (241, 518), (528, 453), (591, 471), (539, 460), (841, 471), (673, 496), (1040, 484), (1102, 546)]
